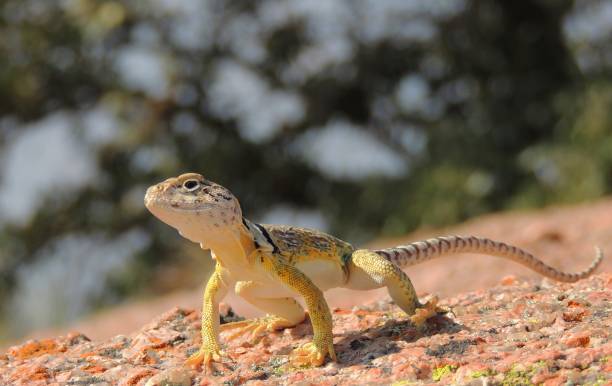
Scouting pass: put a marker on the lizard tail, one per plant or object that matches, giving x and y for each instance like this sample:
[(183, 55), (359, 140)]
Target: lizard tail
[(417, 252)]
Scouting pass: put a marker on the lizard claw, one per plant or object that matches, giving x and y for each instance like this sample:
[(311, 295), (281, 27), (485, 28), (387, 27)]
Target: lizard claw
[(256, 327), (429, 309), (309, 355), (204, 358)]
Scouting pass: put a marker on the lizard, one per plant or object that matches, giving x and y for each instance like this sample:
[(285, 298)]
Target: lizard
[(272, 265)]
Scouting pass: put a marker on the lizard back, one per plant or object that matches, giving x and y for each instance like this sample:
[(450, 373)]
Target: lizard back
[(302, 244)]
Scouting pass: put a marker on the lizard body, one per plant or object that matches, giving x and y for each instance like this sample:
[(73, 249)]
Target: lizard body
[(271, 265)]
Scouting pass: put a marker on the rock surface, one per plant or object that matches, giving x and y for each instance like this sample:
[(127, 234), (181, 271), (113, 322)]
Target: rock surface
[(516, 333)]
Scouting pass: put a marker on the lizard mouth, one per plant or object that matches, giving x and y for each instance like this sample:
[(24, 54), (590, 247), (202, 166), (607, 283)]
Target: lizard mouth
[(176, 206), (155, 199)]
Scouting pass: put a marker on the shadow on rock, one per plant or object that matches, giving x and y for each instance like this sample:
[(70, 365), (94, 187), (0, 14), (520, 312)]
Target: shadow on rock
[(363, 346)]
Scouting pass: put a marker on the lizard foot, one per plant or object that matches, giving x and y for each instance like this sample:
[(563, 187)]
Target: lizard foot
[(256, 327), (309, 355), (428, 310), (204, 358)]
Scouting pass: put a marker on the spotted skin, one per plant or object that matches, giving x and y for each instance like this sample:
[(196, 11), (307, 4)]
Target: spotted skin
[(270, 265), (301, 244)]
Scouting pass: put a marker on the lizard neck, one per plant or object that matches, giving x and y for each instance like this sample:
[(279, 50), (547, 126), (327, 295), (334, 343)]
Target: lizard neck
[(231, 246)]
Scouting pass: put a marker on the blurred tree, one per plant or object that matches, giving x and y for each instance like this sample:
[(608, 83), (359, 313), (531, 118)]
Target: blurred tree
[(361, 117)]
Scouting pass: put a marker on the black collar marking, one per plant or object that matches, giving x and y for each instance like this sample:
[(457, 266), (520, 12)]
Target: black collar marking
[(267, 236), (244, 221)]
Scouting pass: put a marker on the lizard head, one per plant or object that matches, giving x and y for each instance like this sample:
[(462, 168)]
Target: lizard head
[(199, 209)]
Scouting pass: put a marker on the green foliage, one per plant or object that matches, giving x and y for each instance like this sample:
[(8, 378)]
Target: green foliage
[(403, 383), (496, 112), (441, 372), (521, 375), (482, 374)]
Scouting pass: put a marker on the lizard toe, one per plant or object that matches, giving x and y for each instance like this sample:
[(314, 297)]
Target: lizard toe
[(428, 310), (256, 328), (308, 355), (204, 359)]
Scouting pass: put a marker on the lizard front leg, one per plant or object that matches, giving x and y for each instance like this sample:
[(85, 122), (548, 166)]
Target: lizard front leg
[(314, 353), (210, 350)]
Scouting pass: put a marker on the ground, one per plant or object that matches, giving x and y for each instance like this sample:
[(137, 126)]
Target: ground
[(507, 325), (516, 333)]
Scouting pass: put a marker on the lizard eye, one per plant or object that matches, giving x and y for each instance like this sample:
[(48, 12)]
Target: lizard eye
[(191, 185)]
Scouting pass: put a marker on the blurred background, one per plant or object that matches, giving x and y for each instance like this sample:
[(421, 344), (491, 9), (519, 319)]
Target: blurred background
[(363, 118)]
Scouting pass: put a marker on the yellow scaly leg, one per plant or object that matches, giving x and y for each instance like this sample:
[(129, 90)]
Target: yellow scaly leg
[(385, 273), (210, 351), (314, 353)]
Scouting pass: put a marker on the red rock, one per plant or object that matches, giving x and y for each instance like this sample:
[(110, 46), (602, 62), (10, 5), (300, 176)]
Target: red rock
[(497, 329), (135, 376), (298, 377), (37, 373), (508, 280), (94, 369), (36, 347), (374, 373), (175, 377), (575, 315), (578, 340), (555, 381)]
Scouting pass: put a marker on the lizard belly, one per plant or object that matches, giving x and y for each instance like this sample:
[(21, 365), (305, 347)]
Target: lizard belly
[(246, 272), (325, 274)]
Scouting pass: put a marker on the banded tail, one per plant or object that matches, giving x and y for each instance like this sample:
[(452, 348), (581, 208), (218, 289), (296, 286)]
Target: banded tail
[(417, 252)]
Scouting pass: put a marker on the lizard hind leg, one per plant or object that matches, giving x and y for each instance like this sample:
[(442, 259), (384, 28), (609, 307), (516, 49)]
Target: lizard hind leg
[(369, 270), (256, 328), (283, 312)]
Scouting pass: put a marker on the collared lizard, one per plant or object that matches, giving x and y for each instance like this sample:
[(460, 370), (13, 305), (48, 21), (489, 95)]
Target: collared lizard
[(271, 265)]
